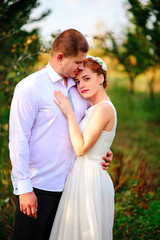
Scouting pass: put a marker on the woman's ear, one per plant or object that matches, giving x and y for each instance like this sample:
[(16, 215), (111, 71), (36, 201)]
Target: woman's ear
[(101, 79), (60, 57)]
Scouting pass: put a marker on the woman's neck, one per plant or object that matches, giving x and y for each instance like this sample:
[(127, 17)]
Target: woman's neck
[(101, 96)]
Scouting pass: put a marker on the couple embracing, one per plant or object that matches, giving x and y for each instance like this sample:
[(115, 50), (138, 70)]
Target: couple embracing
[(62, 125)]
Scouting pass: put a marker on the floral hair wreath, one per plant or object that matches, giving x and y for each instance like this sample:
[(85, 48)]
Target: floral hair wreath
[(99, 61)]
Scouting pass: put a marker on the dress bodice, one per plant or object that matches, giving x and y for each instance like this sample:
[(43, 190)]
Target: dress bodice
[(104, 142)]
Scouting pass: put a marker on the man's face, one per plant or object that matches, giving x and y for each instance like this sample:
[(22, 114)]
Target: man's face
[(71, 65)]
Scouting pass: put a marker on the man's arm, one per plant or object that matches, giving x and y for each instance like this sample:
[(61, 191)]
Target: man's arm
[(24, 109)]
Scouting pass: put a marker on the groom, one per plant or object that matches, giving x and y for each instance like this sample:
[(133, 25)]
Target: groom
[(40, 148)]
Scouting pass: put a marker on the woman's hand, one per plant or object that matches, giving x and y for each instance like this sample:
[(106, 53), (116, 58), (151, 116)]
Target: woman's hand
[(64, 104)]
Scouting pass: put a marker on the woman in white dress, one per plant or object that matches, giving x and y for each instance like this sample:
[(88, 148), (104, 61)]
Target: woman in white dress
[(86, 209)]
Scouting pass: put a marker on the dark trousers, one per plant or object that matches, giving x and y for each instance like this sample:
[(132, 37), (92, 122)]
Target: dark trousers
[(27, 228)]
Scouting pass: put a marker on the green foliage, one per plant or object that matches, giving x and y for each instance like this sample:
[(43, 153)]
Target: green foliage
[(139, 49), (137, 215), (147, 16), (19, 48), (136, 166), (137, 145), (19, 52), (133, 54)]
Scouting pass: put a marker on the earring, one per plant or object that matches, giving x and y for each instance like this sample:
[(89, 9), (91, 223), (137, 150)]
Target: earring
[(101, 84)]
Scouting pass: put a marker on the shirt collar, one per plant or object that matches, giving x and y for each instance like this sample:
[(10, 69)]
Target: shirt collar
[(55, 77), (52, 73), (71, 82)]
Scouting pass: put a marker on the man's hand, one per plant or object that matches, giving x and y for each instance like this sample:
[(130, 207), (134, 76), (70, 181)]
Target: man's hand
[(108, 159), (28, 204)]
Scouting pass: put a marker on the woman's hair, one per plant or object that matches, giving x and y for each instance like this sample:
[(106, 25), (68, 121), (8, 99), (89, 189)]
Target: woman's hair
[(70, 42), (96, 68)]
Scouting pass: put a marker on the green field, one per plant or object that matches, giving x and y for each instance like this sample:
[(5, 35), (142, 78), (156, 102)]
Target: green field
[(136, 165)]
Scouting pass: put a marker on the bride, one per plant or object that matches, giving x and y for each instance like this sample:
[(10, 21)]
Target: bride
[(86, 209)]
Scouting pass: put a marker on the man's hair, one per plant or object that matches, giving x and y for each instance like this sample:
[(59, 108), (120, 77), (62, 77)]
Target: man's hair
[(70, 43)]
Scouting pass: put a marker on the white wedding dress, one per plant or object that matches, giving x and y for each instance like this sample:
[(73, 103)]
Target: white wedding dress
[(86, 208)]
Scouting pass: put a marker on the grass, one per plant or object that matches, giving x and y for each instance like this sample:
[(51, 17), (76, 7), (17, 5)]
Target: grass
[(137, 136), (136, 165)]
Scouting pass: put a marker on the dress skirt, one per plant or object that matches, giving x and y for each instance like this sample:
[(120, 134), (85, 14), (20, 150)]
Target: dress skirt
[(86, 209)]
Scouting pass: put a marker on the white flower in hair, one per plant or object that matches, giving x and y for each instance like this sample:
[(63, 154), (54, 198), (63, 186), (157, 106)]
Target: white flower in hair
[(99, 61)]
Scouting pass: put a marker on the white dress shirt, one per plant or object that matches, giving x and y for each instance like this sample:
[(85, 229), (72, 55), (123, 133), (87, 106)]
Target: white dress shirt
[(40, 148)]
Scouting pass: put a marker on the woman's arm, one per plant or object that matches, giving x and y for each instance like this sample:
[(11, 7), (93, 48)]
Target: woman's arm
[(99, 120)]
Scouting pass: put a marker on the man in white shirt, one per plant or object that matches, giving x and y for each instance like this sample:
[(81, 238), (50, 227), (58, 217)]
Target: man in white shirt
[(40, 148)]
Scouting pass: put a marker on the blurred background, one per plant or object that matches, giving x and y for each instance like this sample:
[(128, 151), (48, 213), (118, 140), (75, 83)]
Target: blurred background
[(126, 34)]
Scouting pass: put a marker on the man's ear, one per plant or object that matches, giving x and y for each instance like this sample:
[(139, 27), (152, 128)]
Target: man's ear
[(60, 57)]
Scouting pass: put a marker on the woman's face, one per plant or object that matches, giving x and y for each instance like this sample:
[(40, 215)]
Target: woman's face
[(88, 82)]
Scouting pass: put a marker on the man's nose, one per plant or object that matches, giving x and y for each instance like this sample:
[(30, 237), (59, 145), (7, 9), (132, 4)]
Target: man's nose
[(81, 66)]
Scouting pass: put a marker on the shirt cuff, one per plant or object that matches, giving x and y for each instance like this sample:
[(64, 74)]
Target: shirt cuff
[(24, 186)]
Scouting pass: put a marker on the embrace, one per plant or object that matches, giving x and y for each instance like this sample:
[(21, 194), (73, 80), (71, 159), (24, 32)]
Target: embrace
[(62, 125)]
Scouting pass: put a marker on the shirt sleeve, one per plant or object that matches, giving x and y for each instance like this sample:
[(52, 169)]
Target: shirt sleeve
[(24, 109)]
